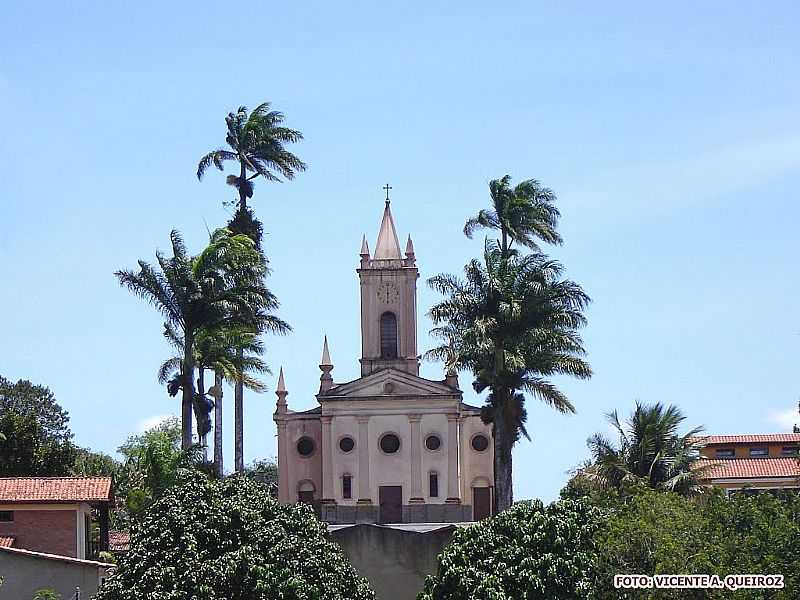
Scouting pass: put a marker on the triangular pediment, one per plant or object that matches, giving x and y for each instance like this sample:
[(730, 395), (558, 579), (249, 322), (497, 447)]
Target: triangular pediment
[(387, 383)]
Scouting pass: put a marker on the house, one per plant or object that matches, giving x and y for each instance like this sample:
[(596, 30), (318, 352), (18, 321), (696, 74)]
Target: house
[(756, 461), (55, 515), (390, 446)]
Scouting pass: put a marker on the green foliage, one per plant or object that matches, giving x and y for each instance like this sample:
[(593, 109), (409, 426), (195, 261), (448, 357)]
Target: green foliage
[(88, 463), (37, 439), (265, 471), (528, 551), (656, 532), (229, 539), (46, 594), (650, 451)]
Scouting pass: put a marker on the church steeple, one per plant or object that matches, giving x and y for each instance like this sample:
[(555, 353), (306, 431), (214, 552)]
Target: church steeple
[(387, 247)]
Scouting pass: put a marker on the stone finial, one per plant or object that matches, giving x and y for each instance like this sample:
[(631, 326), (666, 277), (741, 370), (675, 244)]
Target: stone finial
[(410, 258), (281, 393), (364, 247), (325, 365)]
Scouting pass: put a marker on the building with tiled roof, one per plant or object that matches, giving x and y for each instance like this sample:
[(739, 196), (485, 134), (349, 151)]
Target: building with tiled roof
[(752, 461), (54, 515)]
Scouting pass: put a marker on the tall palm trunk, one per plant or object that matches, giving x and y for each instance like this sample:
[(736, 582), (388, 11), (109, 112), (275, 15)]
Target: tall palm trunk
[(188, 391), (201, 392), (503, 442), (238, 407), (218, 424)]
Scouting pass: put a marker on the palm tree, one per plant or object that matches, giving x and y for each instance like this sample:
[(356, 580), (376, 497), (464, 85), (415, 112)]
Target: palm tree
[(257, 142), (513, 322), (521, 214), (650, 451), (202, 292)]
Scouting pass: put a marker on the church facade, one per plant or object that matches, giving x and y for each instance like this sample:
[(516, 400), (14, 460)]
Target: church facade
[(390, 446)]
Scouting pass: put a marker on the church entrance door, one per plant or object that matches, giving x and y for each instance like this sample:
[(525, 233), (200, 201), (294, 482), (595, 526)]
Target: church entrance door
[(390, 498), (481, 503)]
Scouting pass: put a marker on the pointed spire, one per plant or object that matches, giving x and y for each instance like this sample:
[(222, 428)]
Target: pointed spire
[(325, 365), (387, 247), (281, 393), (364, 247), (409, 247)]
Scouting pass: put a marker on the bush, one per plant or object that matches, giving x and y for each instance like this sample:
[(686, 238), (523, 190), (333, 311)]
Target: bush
[(229, 539), (528, 551)]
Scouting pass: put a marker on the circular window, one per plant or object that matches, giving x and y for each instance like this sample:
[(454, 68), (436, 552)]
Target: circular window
[(346, 444), (480, 443), (305, 446), (433, 442), (390, 443)]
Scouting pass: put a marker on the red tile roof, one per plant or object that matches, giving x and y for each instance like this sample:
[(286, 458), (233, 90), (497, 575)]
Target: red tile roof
[(55, 489), (6, 541), (119, 541), (750, 468), (754, 438)]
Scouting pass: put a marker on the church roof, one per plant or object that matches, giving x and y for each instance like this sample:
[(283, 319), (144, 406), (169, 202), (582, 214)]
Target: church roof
[(387, 247), (389, 382)]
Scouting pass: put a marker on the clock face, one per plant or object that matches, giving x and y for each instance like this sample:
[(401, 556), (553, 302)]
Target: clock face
[(387, 293)]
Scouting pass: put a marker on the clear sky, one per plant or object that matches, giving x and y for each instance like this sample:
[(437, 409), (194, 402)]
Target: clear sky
[(670, 135)]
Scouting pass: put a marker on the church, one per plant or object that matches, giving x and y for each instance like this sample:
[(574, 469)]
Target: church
[(390, 446)]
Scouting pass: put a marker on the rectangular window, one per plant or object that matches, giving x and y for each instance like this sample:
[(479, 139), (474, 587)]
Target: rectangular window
[(347, 486), (725, 453), (6, 516), (790, 451), (433, 484), (759, 452)]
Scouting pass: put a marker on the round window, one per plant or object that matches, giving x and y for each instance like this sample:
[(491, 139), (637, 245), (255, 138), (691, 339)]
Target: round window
[(346, 444), (480, 443), (390, 443), (305, 446), (432, 442)]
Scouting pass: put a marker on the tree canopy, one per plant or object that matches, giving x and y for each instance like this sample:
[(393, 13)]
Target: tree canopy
[(36, 437), (231, 540)]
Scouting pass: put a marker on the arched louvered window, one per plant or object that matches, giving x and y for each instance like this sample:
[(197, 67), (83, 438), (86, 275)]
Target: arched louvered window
[(388, 335)]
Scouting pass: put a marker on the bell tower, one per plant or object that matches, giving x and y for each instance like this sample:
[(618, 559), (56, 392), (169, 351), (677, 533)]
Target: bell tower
[(388, 302)]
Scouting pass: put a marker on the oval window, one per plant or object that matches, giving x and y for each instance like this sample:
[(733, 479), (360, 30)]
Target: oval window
[(390, 443), (346, 444), (480, 443), (305, 446), (432, 442)]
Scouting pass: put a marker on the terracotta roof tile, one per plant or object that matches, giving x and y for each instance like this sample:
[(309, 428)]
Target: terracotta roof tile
[(119, 541), (6, 541), (753, 438), (54, 489), (749, 468)]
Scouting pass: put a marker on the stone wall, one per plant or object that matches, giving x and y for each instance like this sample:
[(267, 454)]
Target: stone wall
[(395, 559)]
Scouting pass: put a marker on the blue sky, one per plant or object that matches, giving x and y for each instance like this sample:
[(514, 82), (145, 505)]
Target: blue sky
[(670, 135)]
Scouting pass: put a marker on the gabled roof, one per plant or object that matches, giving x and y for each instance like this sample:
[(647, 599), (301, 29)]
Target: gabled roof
[(387, 383), (387, 247), (751, 438), (749, 468), (55, 490)]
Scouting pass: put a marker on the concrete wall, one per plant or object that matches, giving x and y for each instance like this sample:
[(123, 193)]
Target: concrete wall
[(26, 572), (395, 561)]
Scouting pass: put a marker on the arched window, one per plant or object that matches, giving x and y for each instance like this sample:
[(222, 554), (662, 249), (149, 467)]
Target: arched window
[(388, 335), (305, 491)]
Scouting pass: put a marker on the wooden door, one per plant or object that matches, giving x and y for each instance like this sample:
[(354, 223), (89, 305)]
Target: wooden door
[(390, 499), (481, 503)]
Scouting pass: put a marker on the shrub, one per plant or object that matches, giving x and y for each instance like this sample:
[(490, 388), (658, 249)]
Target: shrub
[(229, 539)]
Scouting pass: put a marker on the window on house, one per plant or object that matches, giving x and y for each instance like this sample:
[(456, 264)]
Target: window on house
[(433, 485), (725, 453), (790, 451), (759, 452), (388, 335), (6, 516), (347, 486)]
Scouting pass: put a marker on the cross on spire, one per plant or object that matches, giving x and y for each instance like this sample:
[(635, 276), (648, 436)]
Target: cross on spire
[(387, 187)]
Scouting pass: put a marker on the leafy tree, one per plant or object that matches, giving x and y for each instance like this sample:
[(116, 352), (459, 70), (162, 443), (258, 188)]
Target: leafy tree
[(529, 551), (229, 539), (513, 322), (650, 450), (264, 471), (213, 290), (37, 440), (257, 142), (98, 464), (521, 214)]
